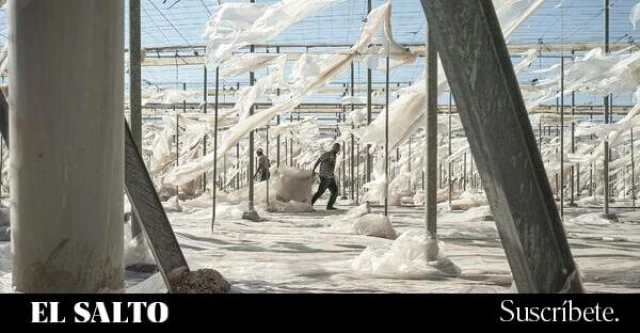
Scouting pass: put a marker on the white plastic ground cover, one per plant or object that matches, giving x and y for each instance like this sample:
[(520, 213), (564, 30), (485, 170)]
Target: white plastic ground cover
[(235, 25)]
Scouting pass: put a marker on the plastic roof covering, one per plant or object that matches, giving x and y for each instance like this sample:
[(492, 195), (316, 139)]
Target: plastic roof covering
[(182, 22)]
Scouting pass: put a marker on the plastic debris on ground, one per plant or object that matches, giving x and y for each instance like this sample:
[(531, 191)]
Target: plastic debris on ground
[(374, 225), (405, 258)]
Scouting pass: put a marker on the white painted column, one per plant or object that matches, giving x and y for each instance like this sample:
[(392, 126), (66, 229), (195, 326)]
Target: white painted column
[(67, 145)]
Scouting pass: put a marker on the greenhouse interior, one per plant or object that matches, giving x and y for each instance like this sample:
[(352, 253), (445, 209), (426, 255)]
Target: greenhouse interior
[(320, 146)]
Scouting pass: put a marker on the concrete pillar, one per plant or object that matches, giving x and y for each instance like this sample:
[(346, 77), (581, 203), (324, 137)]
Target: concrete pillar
[(67, 145)]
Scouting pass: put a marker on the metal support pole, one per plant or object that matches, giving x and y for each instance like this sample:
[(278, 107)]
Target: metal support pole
[(251, 214), (358, 174), (369, 111), (135, 90), (561, 186), (238, 173), (540, 133), (592, 167), (177, 144), (464, 172), (473, 52), (606, 116), (278, 122), (215, 150), (204, 142), (352, 90), (291, 144), (286, 152), (633, 172), (409, 162), (431, 144), (344, 160), (574, 187), (278, 143), (450, 164), (386, 141), (269, 175), (472, 174)]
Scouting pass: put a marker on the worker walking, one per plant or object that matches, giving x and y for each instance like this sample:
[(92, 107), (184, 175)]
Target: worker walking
[(327, 164), (263, 166)]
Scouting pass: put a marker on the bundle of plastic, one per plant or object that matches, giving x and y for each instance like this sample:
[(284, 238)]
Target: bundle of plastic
[(469, 199), (375, 225), (405, 258), (291, 184)]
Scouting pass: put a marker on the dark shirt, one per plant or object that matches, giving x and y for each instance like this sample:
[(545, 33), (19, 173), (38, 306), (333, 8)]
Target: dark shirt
[(327, 164)]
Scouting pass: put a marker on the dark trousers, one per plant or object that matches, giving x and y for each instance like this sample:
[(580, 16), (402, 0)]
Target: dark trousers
[(327, 183), (264, 175)]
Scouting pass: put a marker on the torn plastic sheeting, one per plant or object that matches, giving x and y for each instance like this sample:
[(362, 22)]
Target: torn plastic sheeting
[(353, 100), (594, 73), (376, 57), (634, 17), (404, 258), (247, 96), (235, 25), (310, 73), (168, 96), (512, 13), (248, 62), (407, 112)]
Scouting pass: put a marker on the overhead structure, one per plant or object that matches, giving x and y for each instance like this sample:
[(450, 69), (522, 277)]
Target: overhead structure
[(469, 40)]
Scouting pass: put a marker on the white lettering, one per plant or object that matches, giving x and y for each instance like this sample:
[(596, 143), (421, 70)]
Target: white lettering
[(506, 309), (82, 313), (37, 314), (151, 312)]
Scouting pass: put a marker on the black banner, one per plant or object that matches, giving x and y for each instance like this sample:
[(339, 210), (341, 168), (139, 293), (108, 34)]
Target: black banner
[(451, 310)]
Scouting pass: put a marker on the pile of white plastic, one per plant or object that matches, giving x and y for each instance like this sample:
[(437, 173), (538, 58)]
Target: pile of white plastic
[(375, 225), (404, 258)]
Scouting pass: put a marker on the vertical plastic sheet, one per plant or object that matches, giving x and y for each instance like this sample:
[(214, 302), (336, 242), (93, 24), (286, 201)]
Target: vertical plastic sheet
[(635, 15)]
